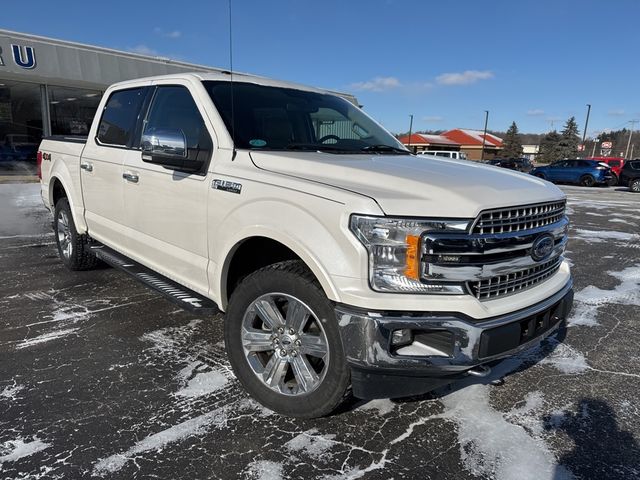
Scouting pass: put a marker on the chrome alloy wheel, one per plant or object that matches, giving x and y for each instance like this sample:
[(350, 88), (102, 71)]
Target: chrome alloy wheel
[(64, 234), (285, 344)]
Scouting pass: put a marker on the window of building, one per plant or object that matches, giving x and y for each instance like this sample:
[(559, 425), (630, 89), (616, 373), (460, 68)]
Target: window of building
[(20, 120), (72, 109), (119, 118)]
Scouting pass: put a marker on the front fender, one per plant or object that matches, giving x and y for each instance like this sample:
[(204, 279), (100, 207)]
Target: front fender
[(319, 236)]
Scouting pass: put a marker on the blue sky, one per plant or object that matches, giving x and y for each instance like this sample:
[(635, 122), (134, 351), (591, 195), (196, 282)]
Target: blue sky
[(534, 62)]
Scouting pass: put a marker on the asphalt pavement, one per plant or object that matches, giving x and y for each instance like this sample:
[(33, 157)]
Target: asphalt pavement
[(102, 378)]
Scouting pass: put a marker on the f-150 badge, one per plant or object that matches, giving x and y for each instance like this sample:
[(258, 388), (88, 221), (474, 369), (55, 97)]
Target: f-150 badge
[(226, 186)]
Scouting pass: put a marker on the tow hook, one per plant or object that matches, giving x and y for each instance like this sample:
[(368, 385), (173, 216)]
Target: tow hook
[(479, 371)]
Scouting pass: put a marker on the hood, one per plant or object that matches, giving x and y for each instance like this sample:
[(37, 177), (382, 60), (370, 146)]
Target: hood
[(414, 186)]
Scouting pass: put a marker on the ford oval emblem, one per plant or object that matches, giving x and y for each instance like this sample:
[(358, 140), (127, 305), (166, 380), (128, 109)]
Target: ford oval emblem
[(542, 247)]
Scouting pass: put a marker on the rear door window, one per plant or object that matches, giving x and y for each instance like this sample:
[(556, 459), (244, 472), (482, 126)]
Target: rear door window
[(120, 116)]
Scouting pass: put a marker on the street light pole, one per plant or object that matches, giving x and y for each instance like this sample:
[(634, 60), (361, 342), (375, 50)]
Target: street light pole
[(484, 135), (626, 153), (586, 124), (410, 128)]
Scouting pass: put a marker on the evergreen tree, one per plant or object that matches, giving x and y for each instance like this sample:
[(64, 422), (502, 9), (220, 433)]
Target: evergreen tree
[(569, 141), (550, 149), (512, 145)]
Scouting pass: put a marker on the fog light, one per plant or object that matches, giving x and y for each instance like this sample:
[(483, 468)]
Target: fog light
[(401, 337)]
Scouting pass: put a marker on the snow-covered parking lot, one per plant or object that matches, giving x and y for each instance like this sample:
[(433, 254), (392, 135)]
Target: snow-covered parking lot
[(100, 377)]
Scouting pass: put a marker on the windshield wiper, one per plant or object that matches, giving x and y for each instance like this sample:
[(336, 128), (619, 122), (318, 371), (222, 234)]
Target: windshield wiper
[(386, 149), (315, 147)]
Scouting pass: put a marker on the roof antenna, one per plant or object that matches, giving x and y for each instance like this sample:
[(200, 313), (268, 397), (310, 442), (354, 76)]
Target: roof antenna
[(233, 118)]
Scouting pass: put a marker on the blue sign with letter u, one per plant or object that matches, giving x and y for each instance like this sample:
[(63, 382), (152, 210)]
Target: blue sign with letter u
[(24, 57)]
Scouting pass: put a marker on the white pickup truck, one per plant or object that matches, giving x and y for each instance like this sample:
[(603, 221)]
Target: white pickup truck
[(343, 263)]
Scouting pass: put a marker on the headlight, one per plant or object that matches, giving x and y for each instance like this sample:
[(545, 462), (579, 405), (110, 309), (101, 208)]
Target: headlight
[(394, 252)]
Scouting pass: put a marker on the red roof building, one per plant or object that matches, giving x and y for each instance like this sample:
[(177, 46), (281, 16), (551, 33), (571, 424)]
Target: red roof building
[(471, 143), (423, 141)]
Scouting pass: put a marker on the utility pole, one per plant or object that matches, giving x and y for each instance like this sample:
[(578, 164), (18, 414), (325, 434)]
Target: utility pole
[(484, 136), (586, 124), (632, 122), (410, 128)]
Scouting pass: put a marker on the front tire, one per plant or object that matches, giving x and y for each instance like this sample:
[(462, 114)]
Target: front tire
[(73, 247), (634, 185), (587, 181), (613, 181), (283, 342)]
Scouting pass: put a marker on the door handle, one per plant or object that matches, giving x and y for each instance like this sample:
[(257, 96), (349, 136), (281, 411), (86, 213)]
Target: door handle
[(87, 166), (130, 177)]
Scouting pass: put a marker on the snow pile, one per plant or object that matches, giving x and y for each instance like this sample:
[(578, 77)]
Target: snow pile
[(16, 449)]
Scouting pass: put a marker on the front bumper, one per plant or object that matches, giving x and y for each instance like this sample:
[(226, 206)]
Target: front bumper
[(456, 344)]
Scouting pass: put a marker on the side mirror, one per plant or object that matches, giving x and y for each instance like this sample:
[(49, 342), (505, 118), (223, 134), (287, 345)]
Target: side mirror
[(168, 147)]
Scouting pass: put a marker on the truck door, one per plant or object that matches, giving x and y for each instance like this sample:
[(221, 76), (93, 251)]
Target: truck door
[(165, 208), (108, 146)]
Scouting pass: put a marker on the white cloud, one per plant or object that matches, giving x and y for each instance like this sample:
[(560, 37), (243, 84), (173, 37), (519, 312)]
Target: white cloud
[(536, 112), (143, 50), (465, 78), (433, 119), (171, 34), (378, 84), (617, 113)]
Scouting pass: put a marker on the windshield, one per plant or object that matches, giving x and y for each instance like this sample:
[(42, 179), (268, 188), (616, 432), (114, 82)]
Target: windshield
[(276, 118)]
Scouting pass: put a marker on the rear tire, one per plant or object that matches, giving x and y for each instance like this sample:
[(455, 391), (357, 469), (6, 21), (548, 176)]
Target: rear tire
[(587, 181), (634, 185), (283, 342), (73, 247)]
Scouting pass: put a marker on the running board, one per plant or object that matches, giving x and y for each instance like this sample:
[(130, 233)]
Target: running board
[(178, 294)]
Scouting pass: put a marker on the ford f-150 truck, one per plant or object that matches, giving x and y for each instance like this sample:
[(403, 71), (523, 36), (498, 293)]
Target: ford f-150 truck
[(343, 264)]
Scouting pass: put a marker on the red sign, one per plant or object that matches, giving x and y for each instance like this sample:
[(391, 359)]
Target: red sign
[(606, 145), (581, 148)]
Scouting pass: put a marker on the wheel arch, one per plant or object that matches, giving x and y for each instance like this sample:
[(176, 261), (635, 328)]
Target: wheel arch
[(58, 188), (253, 252)]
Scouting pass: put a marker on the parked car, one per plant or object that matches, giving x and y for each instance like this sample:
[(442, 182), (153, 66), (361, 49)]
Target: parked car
[(582, 172), (518, 164), (630, 175), (616, 164), (344, 263), (445, 154), (20, 147)]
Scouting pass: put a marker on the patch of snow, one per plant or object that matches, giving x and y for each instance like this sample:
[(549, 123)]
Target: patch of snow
[(590, 298), (265, 470), (620, 220), (16, 449), (383, 406), (10, 392), (194, 426), (491, 446), (204, 383), (45, 337), (566, 359), (311, 443), (597, 236)]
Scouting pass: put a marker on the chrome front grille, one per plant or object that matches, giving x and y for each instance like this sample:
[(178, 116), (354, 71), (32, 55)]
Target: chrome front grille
[(514, 282), (515, 219)]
